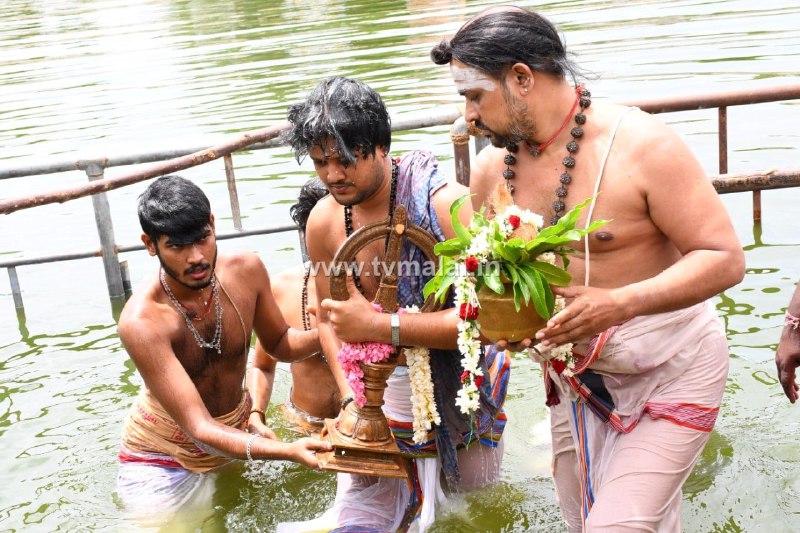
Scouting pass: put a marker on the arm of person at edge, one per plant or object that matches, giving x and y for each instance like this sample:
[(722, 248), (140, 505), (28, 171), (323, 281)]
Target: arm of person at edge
[(695, 221), (260, 379), (787, 357), (355, 320), (148, 342), (284, 343)]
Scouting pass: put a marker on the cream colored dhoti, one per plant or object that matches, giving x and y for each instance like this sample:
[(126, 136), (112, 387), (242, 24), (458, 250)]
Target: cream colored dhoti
[(624, 471), (161, 469)]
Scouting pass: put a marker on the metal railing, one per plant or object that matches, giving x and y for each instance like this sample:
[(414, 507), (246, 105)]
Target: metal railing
[(168, 161)]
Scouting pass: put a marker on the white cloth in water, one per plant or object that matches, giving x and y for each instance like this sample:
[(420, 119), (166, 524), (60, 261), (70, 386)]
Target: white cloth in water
[(154, 495), (381, 502)]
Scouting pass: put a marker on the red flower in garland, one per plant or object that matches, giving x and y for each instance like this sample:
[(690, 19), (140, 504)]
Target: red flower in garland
[(471, 263), (478, 381), (514, 221), (468, 312), (464, 376)]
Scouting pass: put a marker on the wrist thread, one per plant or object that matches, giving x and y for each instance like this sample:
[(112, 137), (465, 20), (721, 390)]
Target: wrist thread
[(261, 413), (345, 402)]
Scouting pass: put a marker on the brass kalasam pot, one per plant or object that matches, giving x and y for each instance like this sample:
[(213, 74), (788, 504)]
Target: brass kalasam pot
[(498, 318), (367, 425)]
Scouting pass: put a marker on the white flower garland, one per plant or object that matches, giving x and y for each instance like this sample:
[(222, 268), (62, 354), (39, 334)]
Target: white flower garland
[(562, 352), (423, 403), (468, 397), (466, 298)]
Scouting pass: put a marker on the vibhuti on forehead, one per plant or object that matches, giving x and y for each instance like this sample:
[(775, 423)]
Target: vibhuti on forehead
[(470, 78)]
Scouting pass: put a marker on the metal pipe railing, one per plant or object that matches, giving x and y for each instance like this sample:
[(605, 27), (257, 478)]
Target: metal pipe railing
[(167, 161), (723, 100)]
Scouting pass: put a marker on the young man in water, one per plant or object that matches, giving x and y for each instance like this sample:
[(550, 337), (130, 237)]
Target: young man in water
[(344, 127), (188, 331), (652, 357), (314, 395)]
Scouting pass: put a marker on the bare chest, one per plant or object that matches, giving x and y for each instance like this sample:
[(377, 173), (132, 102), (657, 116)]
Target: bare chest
[(610, 194), (367, 263), (214, 355)]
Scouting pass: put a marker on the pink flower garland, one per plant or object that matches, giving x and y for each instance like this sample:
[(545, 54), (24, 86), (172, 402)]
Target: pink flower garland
[(353, 353)]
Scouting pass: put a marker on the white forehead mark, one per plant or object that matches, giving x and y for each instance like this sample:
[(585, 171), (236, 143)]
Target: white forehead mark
[(470, 78)]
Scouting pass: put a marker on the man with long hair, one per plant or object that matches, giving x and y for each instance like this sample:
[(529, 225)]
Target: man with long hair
[(652, 357)]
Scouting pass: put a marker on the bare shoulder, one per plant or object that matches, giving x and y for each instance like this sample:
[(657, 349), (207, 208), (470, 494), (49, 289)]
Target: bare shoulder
[(449, 192), (485, 173), (241, 265), (145, 318), (320, 241), (289, 281), (325, 207), (652, 143)]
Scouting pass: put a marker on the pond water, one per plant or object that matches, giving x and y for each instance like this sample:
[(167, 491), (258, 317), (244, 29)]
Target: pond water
[(82, 79)]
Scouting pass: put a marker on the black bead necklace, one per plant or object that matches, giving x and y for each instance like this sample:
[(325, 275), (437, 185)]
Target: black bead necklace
[(348, 218), (304, 307), (582, 98), (304, 298)]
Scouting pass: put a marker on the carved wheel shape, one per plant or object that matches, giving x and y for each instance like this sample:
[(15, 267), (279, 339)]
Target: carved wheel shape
[(362, 439), (397, 230)]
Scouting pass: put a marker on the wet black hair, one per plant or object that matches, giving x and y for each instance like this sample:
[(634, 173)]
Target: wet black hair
[(175, 207), (311, 192), (497, 38), (345, 111)]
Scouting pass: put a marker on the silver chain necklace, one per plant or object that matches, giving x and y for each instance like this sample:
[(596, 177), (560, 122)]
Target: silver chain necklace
[(216, 342)]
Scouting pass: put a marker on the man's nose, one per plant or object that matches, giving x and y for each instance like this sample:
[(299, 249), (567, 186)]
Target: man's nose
[(470, 112), (195, 254), (335, 171)]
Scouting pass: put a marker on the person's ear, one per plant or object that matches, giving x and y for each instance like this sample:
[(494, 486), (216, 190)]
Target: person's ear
[(521, 77), (211, 221), (149, 244)]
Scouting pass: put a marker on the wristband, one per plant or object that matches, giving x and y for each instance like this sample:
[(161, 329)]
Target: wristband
[(346, 401), (394, 320), (791, 320), (249, 446), (260, 412)]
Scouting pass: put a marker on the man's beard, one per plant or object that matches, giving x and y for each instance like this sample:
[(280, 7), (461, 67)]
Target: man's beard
[(361, 195), (520, 127), (174, 275)]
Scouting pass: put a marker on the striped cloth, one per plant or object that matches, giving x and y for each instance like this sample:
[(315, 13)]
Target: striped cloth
[(589, 387), (488, 429), (418, 181), (151, 436)]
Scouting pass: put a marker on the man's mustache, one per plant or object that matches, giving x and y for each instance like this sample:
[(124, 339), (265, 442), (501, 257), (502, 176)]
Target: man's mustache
[(197, 268)]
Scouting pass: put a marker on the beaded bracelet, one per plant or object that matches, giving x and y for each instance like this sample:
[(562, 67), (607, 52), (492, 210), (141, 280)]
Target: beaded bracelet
[(260, 412), (791, 320), (249, 446)]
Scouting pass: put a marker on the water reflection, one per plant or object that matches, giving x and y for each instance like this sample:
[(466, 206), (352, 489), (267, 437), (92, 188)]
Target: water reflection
[(108, 77)]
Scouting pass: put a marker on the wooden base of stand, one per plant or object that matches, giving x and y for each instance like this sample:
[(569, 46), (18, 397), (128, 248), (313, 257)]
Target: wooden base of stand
[(383, 460)]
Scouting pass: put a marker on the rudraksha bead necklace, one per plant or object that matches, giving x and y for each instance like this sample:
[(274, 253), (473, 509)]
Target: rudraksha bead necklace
[(304, 308), (582, 98), (304, 298), (348, 217)]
